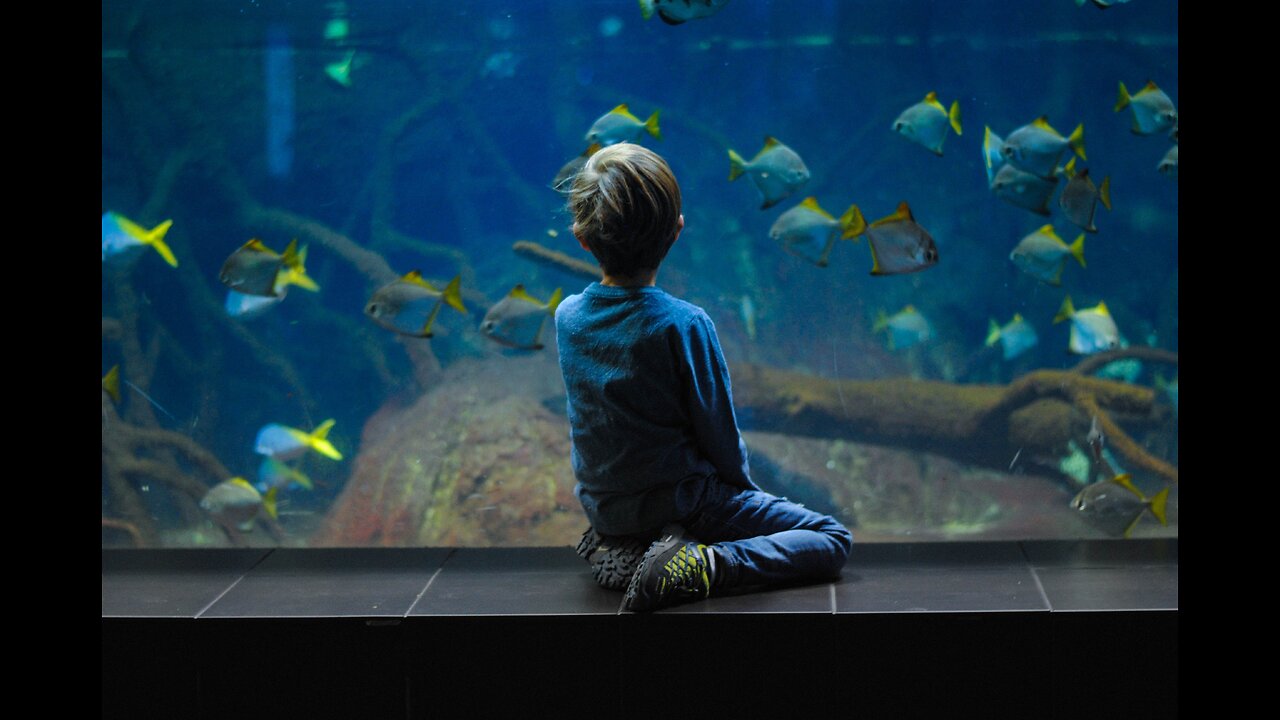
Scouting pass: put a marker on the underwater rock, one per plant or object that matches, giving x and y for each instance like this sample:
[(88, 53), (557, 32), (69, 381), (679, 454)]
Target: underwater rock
[(477, 461)]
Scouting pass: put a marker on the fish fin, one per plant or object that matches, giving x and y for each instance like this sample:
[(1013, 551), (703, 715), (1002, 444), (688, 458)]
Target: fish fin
[(622, 110), (1126, 482), (1104, 191), (902, 213), (518, 292), (668, 19), (415, 277), (155, 238), (1132, 524), (1149, 87), (1070, 168), (811, 202), (1077, 250), (875, 261), (769, 142), (111, 383), (1158, 503), (882, 322), (295, 261), (932, 98), (954, 116), (1102, 308), (737, 165), (1122, 100), (993, 333), (1065, 312), (646, 9), (269, 502), (302, 479), (318, 440), (1042, 122), (241, 482), (853, 223), (651, 126), (453, 294), (1076, 141), (256, 245), (554, 302)]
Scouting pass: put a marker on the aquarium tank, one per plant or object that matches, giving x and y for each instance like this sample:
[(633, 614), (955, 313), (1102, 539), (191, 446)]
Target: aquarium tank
[(938, 241)]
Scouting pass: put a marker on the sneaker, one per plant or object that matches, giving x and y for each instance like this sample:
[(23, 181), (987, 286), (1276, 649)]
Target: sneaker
[(613, 560), (674, 570)]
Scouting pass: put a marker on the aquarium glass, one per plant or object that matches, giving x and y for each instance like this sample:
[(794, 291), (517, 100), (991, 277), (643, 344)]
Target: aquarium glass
[(925, 378)]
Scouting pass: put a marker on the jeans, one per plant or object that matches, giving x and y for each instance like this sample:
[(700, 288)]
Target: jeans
[(762, 539)]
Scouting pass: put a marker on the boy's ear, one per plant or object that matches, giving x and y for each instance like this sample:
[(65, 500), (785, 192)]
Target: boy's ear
[(581, 242), (679, 227)]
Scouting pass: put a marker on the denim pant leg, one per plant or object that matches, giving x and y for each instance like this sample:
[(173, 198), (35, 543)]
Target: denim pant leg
[(764, 539)]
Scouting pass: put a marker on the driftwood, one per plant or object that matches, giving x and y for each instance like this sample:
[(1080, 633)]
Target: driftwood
[(1037, 414), (558, 260)]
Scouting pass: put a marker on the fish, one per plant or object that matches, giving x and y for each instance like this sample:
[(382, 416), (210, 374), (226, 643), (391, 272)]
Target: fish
[(1169, 165), (926, 122), (1015, 337), (1079, 199), (1153, 111), (274, 473), (235, 503), (250, 306), (563, 181), (122, 237), (111, 383), (1043, 254), (517, 320), (809, 232), (256, 269), (619, 125), (1101, 4), (776, 170), (898, 243), (1116, 505), (1096, 441), (1023, 189), (339, 71), (285, 443), (1092, 329), (1036, 147), (675, 12), (906, 327), (409, 305), (992, 155)]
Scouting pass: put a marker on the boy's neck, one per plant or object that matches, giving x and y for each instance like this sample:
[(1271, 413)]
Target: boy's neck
[(642, 280)]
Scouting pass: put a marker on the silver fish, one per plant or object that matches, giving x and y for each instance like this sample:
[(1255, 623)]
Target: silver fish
[(1116, 505), (1079, 199), (1092, 329), (1036, 147), (1015, 337), (992, 155), (1023, 189), (517, 320), (776, 170), (1043, 254), (906, 327), (410, 304), (235, 503), (809, 232), (619, 125), (255, 269), (1153, 111), (675, 12), (898, 243), (1169, 165), (927, 122), (122, 237)]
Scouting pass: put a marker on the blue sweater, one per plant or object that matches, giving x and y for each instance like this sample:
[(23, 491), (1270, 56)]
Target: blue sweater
[(650, 410)]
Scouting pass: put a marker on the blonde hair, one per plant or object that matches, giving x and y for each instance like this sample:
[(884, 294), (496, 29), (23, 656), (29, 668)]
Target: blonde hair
[(626, 207)]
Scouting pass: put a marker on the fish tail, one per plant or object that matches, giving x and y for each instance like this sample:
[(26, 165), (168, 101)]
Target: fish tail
[(993, 333), (1122, 100), (853, 223), (1158, 503), (1076, 141), (269, 502), (737, 165), (1104, 192), (1125, 481), (302, 479), (882, 322), (651, 126), (318, 439), (554, 302), (1077, 250), (954, 116), (1065, 312), (155, 238), (111, 383), (296, 274), (453, 294), (646, 9)]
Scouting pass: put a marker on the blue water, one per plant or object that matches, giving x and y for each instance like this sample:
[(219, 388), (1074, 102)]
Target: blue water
[(511, 89)]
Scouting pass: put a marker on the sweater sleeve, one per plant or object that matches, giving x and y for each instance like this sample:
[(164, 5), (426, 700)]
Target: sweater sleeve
[(710, 402)]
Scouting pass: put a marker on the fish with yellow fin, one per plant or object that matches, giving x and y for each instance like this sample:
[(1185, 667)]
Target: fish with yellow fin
[(1080, 198), (235, 504), (898, 243), (1092, 329), (1023, 189), (1043, 254), (1036, 147), (275, 473), (776, 170), (409, 305), (809, 232), (563, 181), (619, 125), (1153, 111), (1015, 337), (111, 383), (286, 443), (122, 237), (1116, 505), (905, 328), (926, 123), (255, 269), (517, 320), (992, 156)]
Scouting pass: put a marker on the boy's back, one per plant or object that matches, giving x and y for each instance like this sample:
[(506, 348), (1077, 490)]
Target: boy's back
[(650, 410)]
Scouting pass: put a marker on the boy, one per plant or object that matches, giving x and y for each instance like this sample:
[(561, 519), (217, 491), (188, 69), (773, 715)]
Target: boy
[(656, 450)]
